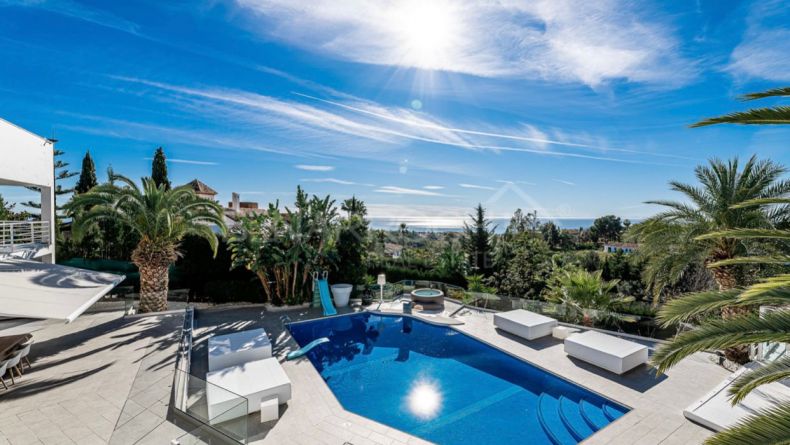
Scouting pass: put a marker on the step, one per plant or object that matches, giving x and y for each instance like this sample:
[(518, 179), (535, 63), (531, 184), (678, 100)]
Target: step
[(573, 420), (549, 418), (611, 412), (593, 415)]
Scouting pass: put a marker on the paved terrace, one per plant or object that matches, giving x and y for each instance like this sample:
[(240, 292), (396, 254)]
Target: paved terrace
[(107, 379)]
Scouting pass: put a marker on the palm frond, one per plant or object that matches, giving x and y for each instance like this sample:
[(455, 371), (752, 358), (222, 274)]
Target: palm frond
[(747, 233), (765, 427), (720, 334), (784, 91), (757, 116), (779, 260), (689, 306), (776, 289), (770, 372)]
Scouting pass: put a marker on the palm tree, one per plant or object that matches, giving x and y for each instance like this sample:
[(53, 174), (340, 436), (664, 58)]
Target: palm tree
[(670, 240), (768, 425), (402, 231), (354, 206), (160, 216), (755, 116), (586, 294)]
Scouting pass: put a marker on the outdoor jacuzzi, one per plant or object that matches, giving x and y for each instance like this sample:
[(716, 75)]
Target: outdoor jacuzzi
[(428, 296)]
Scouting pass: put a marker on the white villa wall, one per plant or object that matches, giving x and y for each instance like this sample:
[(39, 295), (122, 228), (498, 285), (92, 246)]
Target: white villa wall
[(25, 158)]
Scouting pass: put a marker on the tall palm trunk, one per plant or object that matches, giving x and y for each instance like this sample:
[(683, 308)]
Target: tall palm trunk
[(153, 262), (726, 279)]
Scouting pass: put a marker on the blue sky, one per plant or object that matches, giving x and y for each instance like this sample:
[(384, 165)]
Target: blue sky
[(577, 109)]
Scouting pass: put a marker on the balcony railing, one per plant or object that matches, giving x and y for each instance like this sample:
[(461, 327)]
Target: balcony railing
[(17, 233)]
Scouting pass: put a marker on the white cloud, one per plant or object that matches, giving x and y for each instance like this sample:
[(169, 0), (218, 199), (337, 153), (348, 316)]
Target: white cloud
[(562, 181), (573, 40), (763, 51), (764, 56), (363, 120), (433, 187), (186, 161), (391, 189), (315, 168), (334, 181), (475, 186)]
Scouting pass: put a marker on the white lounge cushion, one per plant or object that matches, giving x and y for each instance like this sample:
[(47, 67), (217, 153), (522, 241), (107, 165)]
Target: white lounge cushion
[(606, 351), (715, 410), (257, 381), (524, 323), (239, 347)]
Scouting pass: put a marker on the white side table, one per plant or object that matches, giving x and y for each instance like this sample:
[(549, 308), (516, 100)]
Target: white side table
[(563, 332), (270, 410)]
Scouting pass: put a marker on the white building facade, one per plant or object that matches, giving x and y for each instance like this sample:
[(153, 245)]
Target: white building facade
[(27, 160)]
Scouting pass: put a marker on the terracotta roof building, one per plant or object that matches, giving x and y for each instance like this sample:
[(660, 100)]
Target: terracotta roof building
[(202, 190)]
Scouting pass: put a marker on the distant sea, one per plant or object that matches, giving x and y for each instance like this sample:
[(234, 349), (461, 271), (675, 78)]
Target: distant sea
[(440, 224)]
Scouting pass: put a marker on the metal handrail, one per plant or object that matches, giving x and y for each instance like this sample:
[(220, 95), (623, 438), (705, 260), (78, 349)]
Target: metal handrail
[(14, 233)]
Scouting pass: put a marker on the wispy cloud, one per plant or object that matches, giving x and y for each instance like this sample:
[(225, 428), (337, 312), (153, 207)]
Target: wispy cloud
[(562, 181), (78, 11), (475, 186), (315, 168), (186, 161), (391, 189), (505, 181), (763, 51), (433, 187), (582, 41), (393, 125), (335, 181)]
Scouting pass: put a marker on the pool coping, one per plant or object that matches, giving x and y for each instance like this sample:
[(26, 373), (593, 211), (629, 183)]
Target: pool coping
[(474, 337)]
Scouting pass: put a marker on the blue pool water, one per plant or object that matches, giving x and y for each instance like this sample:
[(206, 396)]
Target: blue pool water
[(446, 387)]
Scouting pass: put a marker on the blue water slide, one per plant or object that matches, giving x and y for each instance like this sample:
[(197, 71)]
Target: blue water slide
[(302, 351), (326, 298)]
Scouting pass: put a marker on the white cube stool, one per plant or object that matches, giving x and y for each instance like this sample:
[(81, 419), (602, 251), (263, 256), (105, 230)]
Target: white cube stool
[(270, 410), (563, 332)]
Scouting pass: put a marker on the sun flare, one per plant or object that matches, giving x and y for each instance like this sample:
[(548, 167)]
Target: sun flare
[(425, 399), (427, 32)]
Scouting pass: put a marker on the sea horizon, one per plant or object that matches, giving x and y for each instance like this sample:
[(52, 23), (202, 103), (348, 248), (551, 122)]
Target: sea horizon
[(445, 224)]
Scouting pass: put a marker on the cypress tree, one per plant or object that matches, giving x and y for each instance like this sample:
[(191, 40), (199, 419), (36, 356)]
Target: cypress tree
[(477, 242), (87, 175), (159, 169)]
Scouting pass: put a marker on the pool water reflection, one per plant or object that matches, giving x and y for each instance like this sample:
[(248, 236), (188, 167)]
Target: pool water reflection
[(444, 386)]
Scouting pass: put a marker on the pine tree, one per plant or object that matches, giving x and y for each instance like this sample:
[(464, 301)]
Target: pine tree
[(87, 175), (159, 169), (477, 242), (61, 173)]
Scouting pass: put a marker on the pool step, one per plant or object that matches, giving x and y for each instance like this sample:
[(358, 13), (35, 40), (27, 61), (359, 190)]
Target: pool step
[(573, 420), (611, 412), (553, 425), (593, 415)]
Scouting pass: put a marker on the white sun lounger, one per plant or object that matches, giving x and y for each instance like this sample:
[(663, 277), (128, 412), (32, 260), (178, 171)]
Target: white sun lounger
[(239, 347), (257, 381), (605, 351), (525, 324)]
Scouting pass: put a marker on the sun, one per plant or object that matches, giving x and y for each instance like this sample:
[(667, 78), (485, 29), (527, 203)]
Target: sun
[(427, 33)]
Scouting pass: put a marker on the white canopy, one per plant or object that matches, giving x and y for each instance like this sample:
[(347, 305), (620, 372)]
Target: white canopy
[(30, 289)]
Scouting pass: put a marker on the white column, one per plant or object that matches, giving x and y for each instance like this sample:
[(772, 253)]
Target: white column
[(48, 214)]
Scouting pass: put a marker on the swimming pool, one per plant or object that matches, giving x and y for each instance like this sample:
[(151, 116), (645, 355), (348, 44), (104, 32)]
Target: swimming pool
[(444, 386)]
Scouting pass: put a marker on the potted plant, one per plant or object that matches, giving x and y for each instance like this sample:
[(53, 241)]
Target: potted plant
[(341, 292)]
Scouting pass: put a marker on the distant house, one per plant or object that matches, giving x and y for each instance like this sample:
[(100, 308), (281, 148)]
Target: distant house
[(237, 208), (614, 247), (202, 190), (393, 250)]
